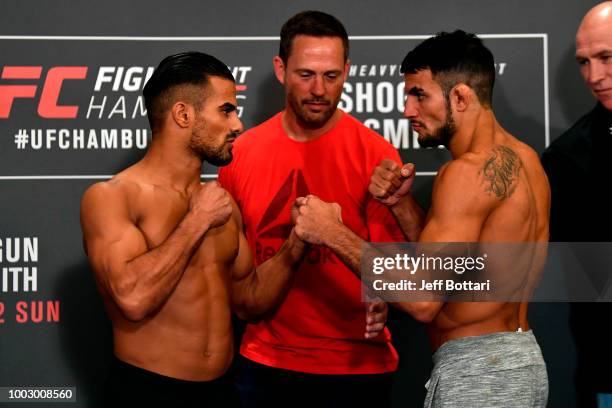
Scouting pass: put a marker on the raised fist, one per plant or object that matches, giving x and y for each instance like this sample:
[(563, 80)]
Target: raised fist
[(211, 203), (390, 182), (315, 218)]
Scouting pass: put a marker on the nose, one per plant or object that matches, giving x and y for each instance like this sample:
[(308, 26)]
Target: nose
[(596, 72), (318, 86), (237, 126), (410, 110)]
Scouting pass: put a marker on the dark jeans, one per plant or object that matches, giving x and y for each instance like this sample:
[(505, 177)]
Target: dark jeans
[(261, 386)]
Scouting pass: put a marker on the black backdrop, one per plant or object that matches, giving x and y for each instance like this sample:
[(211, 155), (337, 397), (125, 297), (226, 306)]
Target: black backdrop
[(538, 95)]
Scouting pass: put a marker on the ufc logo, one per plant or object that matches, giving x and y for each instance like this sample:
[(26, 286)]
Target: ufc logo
[(47, 106)]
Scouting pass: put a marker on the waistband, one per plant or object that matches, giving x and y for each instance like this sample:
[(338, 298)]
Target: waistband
[(504, 350), (128, 372)]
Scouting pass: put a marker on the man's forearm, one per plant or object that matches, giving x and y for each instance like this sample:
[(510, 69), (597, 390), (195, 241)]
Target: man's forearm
[(272, 279), (410, 217), (346, 245), (349, 248)]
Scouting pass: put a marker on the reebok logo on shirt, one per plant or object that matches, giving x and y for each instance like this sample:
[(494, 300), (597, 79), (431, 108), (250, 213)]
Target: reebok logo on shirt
[(281, 204)]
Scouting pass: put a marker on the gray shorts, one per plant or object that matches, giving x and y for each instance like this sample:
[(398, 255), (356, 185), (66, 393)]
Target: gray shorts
[(494, 370)]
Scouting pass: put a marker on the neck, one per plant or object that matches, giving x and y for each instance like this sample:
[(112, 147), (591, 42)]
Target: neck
[(298, 131), (172, 164), (476, 131)]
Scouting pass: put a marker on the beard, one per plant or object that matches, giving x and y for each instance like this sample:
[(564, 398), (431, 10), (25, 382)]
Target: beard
[(215, 155), (443, 134), (308, 119), (219, 157)]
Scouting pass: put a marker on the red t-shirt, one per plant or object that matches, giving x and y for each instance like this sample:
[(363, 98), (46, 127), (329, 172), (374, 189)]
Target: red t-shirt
[(319, 328)]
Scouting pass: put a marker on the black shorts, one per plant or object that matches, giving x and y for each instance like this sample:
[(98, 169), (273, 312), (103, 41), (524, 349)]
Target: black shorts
[(128, 385)]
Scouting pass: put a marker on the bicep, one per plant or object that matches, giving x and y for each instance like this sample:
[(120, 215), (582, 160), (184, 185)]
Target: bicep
[(111, 238), (452, 226), (242, 267), (243, 263), (243, 274)]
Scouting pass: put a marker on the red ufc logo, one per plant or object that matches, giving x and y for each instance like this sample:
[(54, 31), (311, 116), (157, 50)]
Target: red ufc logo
[(47, 106)]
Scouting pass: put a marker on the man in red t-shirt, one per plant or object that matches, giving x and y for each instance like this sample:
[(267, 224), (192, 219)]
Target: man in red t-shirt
[(313, 349)]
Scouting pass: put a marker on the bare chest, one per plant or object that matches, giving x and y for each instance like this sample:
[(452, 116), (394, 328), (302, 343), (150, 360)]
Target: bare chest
[(159, 216)]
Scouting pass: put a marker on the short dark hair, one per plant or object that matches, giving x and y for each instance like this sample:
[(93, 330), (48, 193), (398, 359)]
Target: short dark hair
[(453, 58), (312, 23), (185, 68)]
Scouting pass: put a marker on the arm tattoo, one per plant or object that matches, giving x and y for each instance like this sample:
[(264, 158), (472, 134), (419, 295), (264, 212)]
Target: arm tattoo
[(500, 172)]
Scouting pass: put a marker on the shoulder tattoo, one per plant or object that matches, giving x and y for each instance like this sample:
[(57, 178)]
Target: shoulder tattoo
[(500, 172)]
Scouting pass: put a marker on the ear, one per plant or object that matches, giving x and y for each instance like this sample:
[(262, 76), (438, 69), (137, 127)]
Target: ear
[(347, 65), (279, 69), (461, 97), (183, 114)]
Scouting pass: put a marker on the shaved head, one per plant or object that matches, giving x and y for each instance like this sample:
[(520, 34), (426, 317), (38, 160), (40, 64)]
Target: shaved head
[(594, 51), (598, 15)]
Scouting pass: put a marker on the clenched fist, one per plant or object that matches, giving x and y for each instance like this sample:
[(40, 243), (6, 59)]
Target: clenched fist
[(211, 203), (390, 182), (314, 218)]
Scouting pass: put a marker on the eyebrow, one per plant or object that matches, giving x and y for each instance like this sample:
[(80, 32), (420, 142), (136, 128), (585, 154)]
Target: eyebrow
[(228, 107), (310, 71), (603, 53), (598, 55), (415, 90)]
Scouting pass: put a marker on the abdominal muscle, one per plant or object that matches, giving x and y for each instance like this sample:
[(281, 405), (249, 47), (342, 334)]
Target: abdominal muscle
[(190, 336)]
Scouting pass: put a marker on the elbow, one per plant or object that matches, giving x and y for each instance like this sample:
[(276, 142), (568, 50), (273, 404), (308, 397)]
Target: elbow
[(132, 306), (423, 312), (424, 316), (250, 318), (253, 311), (250, 314), (133, 310)]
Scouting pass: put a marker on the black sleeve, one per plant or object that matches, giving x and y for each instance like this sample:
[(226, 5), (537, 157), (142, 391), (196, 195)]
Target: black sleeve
[(564, 179)]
